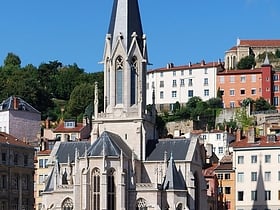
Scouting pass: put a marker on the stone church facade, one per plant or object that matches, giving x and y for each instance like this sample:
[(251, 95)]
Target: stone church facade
[(125, 166)]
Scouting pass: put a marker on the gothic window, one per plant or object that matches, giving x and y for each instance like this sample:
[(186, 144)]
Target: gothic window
[(111, 190), (96, 189), (119, 80), (67, 204), (179, 206), (141, 204), (133, 80)]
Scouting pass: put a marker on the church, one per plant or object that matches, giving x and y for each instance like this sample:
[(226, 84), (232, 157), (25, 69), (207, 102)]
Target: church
[(126, 166)]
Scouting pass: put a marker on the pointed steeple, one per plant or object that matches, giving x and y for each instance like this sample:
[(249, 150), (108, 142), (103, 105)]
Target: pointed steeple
[(266, 60), (125, 21)]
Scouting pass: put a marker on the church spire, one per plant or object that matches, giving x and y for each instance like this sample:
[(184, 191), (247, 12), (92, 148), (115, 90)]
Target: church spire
[(125, 20)]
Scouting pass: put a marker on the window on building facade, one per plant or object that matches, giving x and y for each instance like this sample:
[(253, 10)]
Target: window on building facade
[(119, 80), (279, 158), (182, 72), (254, 176), (43, 163), (161, 84), (205, 71), (240, 177), (141, 204), (227, 190), (231, 92), (218, 136), (190, 93), (222, 79), (67, 204), (267, 176), (205, 82), (242, 79), (161, 74), (206, 92), (161, 107), (182, 82), (227, 176), (3, 182), (190, 82), (254, 158), (174, 83), (267, 195), (267, 158), (69, 124), (220, 176), (220, 150), (153, 85), (275, 88), (222, 92), (253, 78), (240, 195), (174, 73), (174, 94), (231, 79), (278, 175), (275, 101), (254, 195), (190, 72), (242, 92), (4, 157), (231, 104), (275, 77), (96, 189), (15, 159), (111, 190), (253, 91), (161, 94), (228, 205), (240, 159)]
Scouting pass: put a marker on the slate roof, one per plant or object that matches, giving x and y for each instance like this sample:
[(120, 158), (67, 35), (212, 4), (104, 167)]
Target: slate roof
[(20, 104), (178, 147), (174, 179), (125, 19), (68, 149), (109, 144)]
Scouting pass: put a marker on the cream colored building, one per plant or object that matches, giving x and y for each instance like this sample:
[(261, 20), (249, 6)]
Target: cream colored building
[(125, 166)]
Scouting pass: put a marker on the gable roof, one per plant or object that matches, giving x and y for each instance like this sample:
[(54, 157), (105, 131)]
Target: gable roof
[(178, 147), (62, 128), (16, 103), (109, 144)]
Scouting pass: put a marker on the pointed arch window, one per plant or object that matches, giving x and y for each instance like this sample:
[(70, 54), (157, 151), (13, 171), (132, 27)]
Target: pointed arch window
[(179, 206), (134, 80), (119, 80), (67, 204), (111, 190), (96, 189), (141, 204)]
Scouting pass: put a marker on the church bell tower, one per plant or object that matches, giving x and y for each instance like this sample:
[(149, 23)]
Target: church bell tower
[(125, 65)]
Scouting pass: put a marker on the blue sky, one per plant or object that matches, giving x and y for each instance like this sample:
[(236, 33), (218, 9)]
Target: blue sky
[(178, 31)]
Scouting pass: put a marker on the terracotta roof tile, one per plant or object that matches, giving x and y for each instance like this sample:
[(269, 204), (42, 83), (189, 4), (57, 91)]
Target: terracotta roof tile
[(61, 128), (185, 67), (260, 43), (241, 71), (259, 142), (9, 139), (44, 152)]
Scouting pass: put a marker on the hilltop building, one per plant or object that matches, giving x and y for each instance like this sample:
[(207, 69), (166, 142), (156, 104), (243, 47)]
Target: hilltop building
[(20, 119)]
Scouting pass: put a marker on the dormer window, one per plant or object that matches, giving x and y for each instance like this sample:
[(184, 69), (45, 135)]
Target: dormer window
[(69, 124)]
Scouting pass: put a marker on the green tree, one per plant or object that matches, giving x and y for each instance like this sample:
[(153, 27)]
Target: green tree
[(12, 59), (243, 119), (277, 53), (247, 62), (215, 103), (262, 105)]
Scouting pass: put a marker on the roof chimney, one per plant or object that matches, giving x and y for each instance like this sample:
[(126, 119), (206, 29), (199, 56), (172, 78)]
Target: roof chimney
[(238, 135), (15, 103), (251, 135)]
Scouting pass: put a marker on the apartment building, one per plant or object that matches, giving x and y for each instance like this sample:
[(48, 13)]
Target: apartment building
[(219, 140), (237, 85), (179, 83), (40, 176), (226, 183), (256, 161), (16, 173), (20, 119)]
